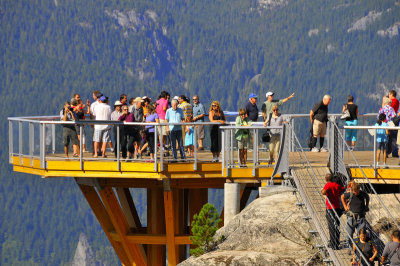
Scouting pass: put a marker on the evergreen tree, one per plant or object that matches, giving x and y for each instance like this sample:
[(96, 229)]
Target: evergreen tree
[(204, 226)]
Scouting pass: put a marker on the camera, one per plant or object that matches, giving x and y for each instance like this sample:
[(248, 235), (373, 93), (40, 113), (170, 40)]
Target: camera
[(70, 108)]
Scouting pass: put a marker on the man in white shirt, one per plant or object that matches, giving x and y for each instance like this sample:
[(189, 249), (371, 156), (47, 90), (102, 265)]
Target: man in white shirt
[(101, 132)]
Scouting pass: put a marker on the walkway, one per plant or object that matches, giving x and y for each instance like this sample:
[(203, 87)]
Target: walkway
[(309, 187)]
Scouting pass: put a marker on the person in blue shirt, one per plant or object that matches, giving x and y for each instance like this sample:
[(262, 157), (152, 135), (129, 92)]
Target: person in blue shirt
[(381, 139), (199, 112), (175, 115)]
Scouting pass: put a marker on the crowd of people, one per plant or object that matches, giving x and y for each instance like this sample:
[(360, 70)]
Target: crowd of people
[(136, 139)]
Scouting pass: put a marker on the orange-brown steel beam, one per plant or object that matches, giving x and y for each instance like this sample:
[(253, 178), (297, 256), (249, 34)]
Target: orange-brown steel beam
[(104, 220), (128, 206), (156, 225), (135, 252), (170, 227)]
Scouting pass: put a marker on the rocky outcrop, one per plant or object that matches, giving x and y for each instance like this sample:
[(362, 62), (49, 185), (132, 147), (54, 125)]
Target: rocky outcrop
[(269, 231), (84, 255), (362, 23), (391, 31)]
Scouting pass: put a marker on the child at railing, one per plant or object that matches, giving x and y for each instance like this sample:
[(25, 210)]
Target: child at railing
[(242, 136), (381, 139), (189, 136)]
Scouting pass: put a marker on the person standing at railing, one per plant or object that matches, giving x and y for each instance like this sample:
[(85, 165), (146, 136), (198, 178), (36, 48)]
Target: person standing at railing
[(101, 132), (216, 115), (129, 134), (251, 107), (187, 109), (114, 117), (78, 107), (393, 133), (381, 139), (91, 106), (390, 113), (266, 108), (391, 253), (199, 112), (351, 134), (69, 131), (175, 115), (275, 142), (152, 117), (356, 205), (161, 109), (332, 192), (242, 135), (189, 136), (319, 119), (138, 113)]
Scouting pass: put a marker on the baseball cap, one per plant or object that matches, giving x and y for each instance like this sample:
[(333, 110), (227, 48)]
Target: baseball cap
[(103, 98), (270, 93), (252, 95), (175, 98), (138, 99)]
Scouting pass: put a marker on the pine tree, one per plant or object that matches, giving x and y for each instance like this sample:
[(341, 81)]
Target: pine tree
[(204, 226)]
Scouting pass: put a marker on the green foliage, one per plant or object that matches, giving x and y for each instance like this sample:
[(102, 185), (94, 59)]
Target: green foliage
[(204, 226)]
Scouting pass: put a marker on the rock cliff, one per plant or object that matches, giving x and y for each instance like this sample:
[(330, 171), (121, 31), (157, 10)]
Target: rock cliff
[(269, 231)]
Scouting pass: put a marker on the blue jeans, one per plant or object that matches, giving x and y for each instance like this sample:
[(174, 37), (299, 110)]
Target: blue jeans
[(351, 134), (352, 225), (176, 135)]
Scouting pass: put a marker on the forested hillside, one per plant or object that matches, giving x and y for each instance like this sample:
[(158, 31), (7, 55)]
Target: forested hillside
[(218, 49)]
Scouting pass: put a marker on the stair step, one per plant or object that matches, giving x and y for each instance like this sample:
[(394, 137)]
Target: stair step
[(307, 218), (299, 203), (313, 232)]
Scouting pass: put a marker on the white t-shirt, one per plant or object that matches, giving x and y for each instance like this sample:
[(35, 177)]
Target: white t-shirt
[(102, 112), (92, 107)]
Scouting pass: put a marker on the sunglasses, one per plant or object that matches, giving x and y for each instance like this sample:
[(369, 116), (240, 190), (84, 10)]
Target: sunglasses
[(275, 110)]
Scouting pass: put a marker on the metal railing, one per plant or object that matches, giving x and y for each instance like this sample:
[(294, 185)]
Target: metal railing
[(39, 136), (315, 202), (43, 133), (229, 146), (368, 187)]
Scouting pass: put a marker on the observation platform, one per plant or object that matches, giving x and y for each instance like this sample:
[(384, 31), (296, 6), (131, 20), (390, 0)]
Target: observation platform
[(177, 189)]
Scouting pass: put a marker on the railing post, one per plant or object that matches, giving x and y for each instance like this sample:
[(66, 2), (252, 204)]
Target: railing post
[(257, 155), (195, 148), (80, 146), (20, 141), (223, 135), (231, 162), (10, 141), (53, 136), (363, 134), (375, 174), (42, 145), (292, 135), (254, 152), (155, 147), (118, 149), (31, 142), (162, 151)]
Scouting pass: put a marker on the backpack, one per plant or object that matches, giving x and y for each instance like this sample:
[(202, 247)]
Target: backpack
[(310, 138), (396, 120)]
